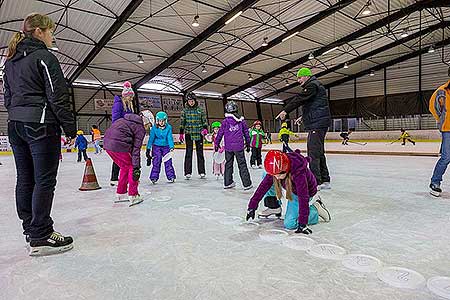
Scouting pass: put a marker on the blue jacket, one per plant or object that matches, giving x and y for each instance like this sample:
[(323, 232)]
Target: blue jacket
[(81, 142), (161, 137)]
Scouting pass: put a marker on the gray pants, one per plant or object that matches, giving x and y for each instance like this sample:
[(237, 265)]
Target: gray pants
[(242, 165)]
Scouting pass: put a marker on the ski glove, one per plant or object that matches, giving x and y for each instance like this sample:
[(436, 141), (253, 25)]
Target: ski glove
[(250, 214), (136, 174), (303, 229), (149, 157)]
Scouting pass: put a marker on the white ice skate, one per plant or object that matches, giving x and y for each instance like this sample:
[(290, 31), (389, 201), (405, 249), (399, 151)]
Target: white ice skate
[(253, 166), (324, 186), (113, 182), (202, 176), (323, 212), (248, 187), (260, 167), (230, 186), (270, 212), (435, 190), (135, 200), (121, 198), (187, 176), (171, 180)]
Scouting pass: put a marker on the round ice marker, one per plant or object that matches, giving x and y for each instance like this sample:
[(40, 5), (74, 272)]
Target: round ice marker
[(401, 277), (273, 235), (231, 220), (327, 251), (161, 198), (200, 212), (246, 226), (361, 263), (440, 286), (215, 215), (296, 242), (188, 208)]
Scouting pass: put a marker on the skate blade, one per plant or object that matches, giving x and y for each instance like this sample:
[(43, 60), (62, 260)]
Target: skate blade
[(136, 202), (435, 194), (46, 250), (121, 201)]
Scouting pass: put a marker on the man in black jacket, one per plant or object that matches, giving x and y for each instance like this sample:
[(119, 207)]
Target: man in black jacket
[(316, 118)]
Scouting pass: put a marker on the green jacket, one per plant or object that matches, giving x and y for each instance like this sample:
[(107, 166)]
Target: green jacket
[(256, 137), (193, 120)]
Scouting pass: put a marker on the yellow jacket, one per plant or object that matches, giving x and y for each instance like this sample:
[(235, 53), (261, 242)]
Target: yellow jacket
[(404, 135), (439, 105), (284, 130)]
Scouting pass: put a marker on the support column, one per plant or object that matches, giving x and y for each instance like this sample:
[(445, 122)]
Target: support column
[(258, 110), (385, 97)]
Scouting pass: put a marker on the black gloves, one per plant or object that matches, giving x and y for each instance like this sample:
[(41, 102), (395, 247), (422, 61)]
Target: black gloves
[(149, 157), (303, 229), (136, 174), (250, 214)]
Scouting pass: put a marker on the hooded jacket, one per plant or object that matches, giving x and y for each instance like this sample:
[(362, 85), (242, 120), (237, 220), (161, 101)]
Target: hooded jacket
[(118, 111), (161, 137), (126, 135), (81, 142), (304, 185), (314, 102), (192, 121), (234, 131), (35, 89)]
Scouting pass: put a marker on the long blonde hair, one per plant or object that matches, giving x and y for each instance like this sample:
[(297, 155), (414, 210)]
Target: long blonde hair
[(31, 22), (127, 103), (278, 188)]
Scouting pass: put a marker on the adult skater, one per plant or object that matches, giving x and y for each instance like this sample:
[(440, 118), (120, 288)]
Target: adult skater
[(193, 128), (38, 105), (316, 118), (439, 105), (289, 171)]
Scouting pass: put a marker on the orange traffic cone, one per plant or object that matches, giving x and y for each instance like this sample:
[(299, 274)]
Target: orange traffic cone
[(90, 182)]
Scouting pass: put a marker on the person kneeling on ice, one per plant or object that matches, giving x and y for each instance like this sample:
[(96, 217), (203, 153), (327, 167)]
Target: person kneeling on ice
[(123, 142), (289, 171), (159, 147), (345, 135)]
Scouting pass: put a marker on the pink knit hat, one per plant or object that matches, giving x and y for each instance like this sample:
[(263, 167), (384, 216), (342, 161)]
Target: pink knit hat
[(127, 90)]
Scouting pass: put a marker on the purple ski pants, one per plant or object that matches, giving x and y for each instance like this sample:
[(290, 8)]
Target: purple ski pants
[(158, 153)]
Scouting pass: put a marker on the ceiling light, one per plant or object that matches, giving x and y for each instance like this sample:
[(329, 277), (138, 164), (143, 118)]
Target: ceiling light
[(195, 22), (233, 17), (431, 49), (204, 69), (289, 37), (250, 77), (265, 43), (287, 82), (346, 66), (54, 48), (140, 59), (311, 56), (372, 73), (366, 11), (330, 50), (404, 33)]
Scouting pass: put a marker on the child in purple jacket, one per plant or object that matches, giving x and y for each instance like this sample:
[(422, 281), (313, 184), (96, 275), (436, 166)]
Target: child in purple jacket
[(234, 130), (123, 142)]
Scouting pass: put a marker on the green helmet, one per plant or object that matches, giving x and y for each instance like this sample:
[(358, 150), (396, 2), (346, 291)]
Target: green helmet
[(304, 72), (215, 125)]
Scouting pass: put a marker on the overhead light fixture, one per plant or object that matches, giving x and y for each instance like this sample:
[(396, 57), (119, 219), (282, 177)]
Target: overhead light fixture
[(431, 49), (204, 69), (330, 50), (140, 59), (311, 56), (195, 23), (404, 33), (346, 66), (289, 37), (265, 43), (287, 82), (54, 48), (372, 73), (233, 17), (250, 77), (366, 11)]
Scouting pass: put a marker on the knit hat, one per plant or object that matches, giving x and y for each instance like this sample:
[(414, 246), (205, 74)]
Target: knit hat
[(304, 72), (127, 90)]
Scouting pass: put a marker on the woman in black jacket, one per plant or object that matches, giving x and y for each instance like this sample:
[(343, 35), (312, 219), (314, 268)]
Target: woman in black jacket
[(37, 100)]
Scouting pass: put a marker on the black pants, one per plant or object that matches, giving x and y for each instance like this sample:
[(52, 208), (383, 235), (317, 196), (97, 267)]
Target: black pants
[(256, 157), (36, 149), (188, 155), (84, 155), (409, 140), (286, 148), (316, 150), (115, 172), (242, 165)]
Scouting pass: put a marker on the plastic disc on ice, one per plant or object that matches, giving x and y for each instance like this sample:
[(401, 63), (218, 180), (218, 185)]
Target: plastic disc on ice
[(361, 263), (401, 278), (327, 251), (440, 286), (299, 242), (161, 198), (215, 215), (200, 212), (188, 207), (273, 235), (231, 220), (246, 226)]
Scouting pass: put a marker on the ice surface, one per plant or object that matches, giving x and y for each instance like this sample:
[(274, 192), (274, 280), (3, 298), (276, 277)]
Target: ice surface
[(379, 205)]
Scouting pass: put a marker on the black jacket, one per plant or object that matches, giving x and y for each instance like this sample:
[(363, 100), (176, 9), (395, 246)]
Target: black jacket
[(35, 88), (314, 101)]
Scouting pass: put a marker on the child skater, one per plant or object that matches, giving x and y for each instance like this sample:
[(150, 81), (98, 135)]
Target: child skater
[(218, 156), (234, 130), (405, 137), (81, 144), (123, 142), (289, 171), (257, 136), (283, 136), (345, 136), (96, 138), (159, 147)]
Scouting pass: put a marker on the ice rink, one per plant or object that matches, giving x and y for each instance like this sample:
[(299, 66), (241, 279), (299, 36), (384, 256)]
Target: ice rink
[(163, 249)]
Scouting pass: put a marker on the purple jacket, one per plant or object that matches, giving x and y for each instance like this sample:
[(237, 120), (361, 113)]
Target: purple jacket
[(126, 135), (118, 110), (304, 185), (234, 131)]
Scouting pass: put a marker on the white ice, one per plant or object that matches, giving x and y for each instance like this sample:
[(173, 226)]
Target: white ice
[(379, 205)]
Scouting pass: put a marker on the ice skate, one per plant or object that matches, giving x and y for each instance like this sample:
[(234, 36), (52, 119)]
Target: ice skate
[(230, 186), (187, 176), (172, 180), (113, 182), (260, 167), (248, 187), (270, 212), (324, 213), (135, 200), (154, 181), (56, 243), (121, 198), (435, 190), (324, 186), (217, 177), (253, 166), (202, 176)]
